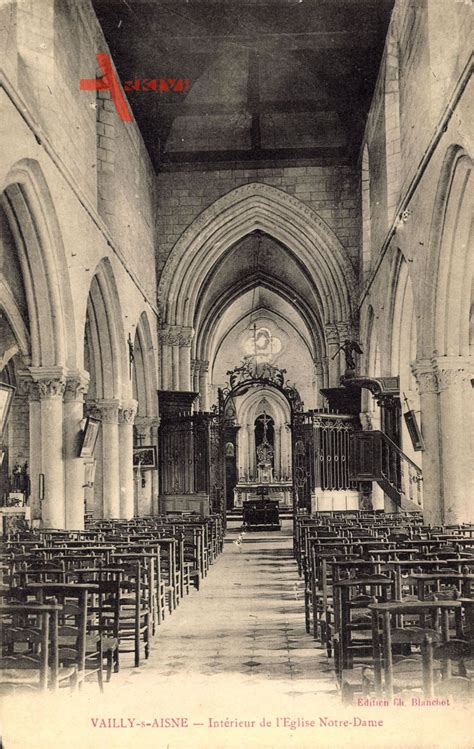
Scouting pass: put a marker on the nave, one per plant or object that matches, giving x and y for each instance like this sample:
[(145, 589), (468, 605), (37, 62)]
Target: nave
[(247, 621), (347, 619)]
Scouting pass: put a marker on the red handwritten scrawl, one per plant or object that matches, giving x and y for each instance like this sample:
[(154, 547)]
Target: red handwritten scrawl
[(109, 82)]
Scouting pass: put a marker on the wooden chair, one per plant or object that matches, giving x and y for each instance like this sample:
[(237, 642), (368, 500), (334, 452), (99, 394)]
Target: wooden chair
[(79, 645), (134, 617), (29, 659)]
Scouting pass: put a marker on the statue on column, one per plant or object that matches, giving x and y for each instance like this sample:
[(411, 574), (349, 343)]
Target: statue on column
[(349, 347)]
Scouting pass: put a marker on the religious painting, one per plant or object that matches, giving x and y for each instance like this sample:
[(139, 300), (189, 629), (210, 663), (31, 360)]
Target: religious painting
[(144, 457), (6, 397), (89, 438)]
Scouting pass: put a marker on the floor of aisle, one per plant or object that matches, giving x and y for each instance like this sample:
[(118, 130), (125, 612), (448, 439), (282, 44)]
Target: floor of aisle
[(247, 619)]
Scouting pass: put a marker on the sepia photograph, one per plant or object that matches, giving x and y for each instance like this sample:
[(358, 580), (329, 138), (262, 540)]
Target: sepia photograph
[(236, 374)]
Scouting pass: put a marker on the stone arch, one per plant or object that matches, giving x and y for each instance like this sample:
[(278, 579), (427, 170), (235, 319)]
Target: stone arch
[(205, 342), (32, 217), (9, 307), (451, 262), (403, 343), (105, 335), (145, 383), (245, 209), (248, 409)]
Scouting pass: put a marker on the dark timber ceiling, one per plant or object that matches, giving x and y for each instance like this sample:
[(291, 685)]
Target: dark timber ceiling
[(269, 80)]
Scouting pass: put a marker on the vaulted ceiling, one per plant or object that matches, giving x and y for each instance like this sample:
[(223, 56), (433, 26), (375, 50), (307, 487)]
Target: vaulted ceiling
[(269, 80)]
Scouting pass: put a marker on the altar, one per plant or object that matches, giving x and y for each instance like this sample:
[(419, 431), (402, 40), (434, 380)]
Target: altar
[(252, 490), (261, 483)]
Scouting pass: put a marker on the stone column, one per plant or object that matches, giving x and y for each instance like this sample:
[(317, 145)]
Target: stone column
[(277, 452), (334, 367), (288, 453), (318, 383), (28, 387), (73, 412), (252, 452), (155, 484), (195, 365), (175, 367), (51, 386), (242, 452), (433, 511), (185, 338), (126, 417), (203, 385), (107, 411), (455, 410), (165, 359)]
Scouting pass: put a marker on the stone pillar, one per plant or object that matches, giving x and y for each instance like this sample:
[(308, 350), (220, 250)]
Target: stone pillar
[(28, 387), (252, 452), (203, 385), (277, 452), (288, 453), (107, 411), (165, 360), (51, 386), (185, 337), (73, 412), (334, 367), (242, 453), (455, 424), (318, 383), (433, 511), (195, 365), (126, 417), (155, 484)]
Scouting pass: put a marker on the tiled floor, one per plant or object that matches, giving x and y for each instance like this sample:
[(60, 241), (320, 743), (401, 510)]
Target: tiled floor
[(234, 667), (248, 619)]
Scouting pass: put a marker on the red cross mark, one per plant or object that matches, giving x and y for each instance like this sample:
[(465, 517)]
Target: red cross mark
[(109, 82)]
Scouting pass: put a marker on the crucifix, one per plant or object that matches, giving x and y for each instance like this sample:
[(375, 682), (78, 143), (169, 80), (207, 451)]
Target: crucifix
[(131, 354)]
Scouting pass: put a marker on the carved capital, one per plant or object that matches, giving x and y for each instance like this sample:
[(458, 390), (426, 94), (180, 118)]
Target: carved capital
[(105, 411), (27, 386), (452, 371), (51, 381), (169, 335), (346, 330), (185, 336), (145, 424), (425, 376), (77, 385), (127, 412), (332, 334), (52, 389)]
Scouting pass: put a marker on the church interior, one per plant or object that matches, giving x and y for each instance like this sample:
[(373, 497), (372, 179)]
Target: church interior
[(236, 346)]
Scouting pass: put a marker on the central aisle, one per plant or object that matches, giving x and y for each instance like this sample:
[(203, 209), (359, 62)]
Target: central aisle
[(247, 619)]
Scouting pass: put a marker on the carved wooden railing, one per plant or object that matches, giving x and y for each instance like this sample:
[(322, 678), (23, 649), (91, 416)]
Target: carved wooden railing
[(374, 457)]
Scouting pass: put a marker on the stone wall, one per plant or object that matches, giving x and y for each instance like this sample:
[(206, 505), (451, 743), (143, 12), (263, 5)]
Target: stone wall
[(332, 191)]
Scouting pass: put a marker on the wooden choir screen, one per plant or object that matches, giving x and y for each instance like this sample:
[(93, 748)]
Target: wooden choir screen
[(303, 460), (191, 460)]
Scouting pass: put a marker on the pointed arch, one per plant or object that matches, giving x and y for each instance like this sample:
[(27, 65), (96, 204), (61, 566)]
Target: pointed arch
[(451, 261), (31, 214), (243, 210), (105, 337), (144, 375)]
